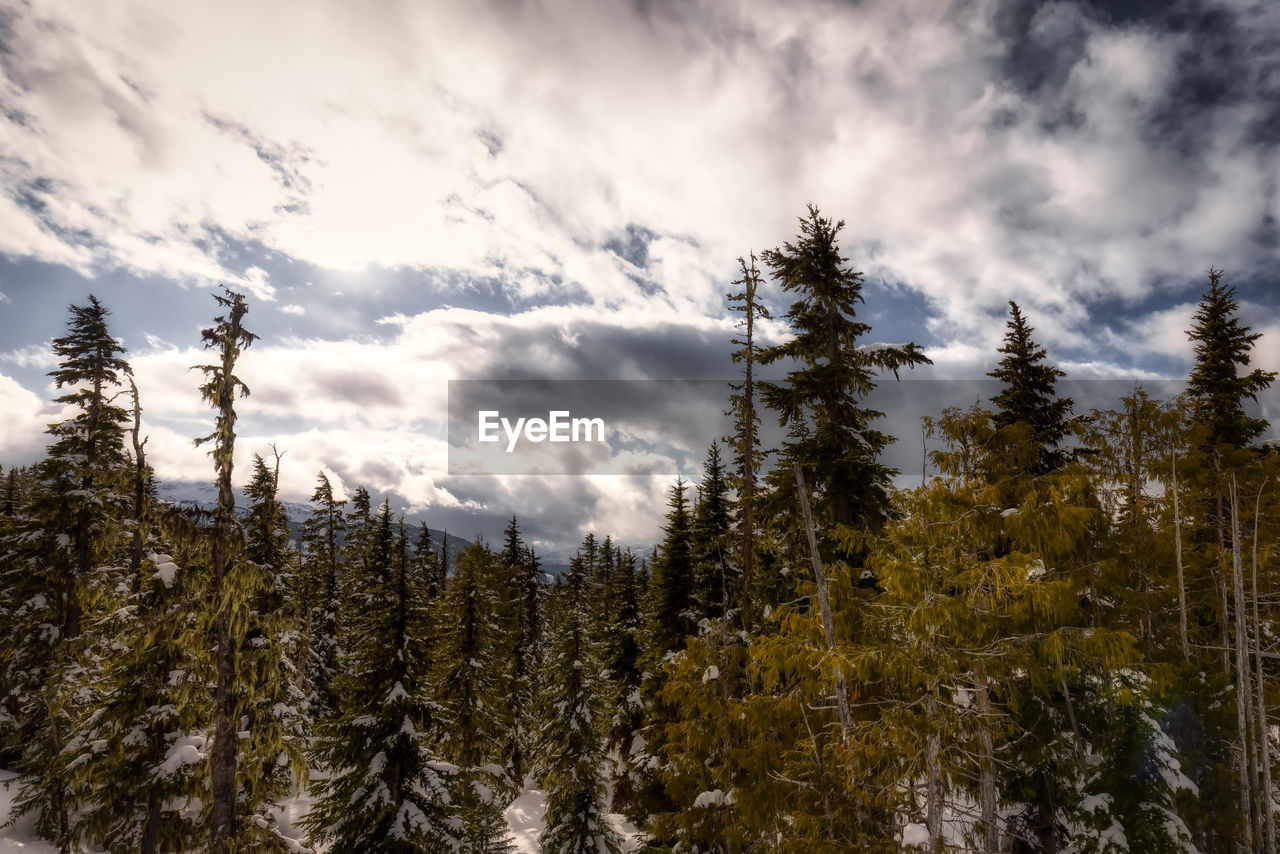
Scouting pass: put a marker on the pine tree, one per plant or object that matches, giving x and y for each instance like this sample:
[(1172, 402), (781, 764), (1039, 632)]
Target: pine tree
[(671, 610), (389, 790), (622, 662), (472, 677), (427, 563), (524, 590), (839, 447), (357, 551), (140, 756), (715, 575), (571, 755), (270, 760), (748, 456), (137, 755), (1220, 380), (321, 597), (1027, 394), (228, 338), (77, 515), (1216, 451), (670, 619)]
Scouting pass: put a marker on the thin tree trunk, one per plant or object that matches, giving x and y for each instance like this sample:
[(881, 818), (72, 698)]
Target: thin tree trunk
[(1266, 811), (1177, 546), (1244, 692), (987, 782), (1076, 738), (824, 605), (748, 462), (1220, 579), (933, 768), (151, 828), (139, 490)]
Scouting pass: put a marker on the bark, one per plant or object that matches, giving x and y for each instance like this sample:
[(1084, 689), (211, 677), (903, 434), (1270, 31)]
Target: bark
[(987, 782), (1266, 807), (1177, 548), (824, 605), (1220, 580), (151, 829), (139, 490), (748, 459), (1248, 771), (933, 768)]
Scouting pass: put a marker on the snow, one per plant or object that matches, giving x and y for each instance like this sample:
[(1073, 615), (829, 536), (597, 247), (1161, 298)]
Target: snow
[(184, 751), (21, 837), (915, 835), (166, 572), (524, 817), (713, 798)]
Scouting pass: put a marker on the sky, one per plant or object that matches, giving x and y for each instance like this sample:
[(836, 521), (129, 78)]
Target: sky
[(409, 193)]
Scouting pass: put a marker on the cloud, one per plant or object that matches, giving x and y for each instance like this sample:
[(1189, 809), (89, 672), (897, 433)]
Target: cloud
[(521, 147), (23, 419), (602, 166)]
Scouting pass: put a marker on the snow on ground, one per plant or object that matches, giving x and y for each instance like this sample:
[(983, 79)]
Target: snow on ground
[(524, 815), (19, 839)]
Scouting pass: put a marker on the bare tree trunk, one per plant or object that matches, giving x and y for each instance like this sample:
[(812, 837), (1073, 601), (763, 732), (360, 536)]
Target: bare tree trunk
[(1177, 546), (1220, 579), (1266, 809), (824, 605), (1244, 692), (933, 767), (139, 490), (151, 828), (987, 782)]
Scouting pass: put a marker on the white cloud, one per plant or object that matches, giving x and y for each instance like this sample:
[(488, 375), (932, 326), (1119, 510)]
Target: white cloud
[(491, 141), (23, 419), (468, 139)]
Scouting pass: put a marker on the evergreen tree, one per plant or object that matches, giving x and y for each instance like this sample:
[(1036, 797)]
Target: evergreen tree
[(270, 760), (1220, 380), (77, 514), (839, 446), (711, 526), (357, 551), (671, 613), (524, 590), (321, 597), (427, 563), (748, 456), (140, 756), (388, 789), (228, 338), (570, 751), (1027, 394), (1215, 722), (137, 754), (622, 662), (472, 677)]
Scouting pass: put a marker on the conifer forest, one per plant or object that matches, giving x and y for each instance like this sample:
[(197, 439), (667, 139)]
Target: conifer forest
[(1064, 640)]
